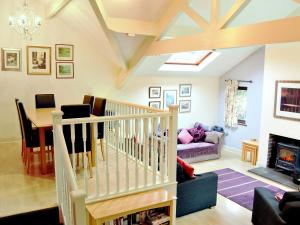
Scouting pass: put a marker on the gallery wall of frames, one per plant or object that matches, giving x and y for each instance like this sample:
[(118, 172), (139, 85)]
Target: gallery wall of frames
[(39, 60), (161, 99)]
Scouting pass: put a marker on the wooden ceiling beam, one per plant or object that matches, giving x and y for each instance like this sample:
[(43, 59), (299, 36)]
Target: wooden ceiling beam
[(237, 7), (167, 18), (55, 7), (276, 31), (214, 12), (109, 35), (202, 23)]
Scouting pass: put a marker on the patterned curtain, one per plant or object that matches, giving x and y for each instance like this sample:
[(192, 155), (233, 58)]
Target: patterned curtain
[(231, 119)]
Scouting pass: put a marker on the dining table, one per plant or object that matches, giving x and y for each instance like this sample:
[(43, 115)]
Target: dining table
[(42, 119)]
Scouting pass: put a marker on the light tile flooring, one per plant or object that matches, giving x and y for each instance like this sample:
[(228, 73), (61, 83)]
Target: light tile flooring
[(20, 192)]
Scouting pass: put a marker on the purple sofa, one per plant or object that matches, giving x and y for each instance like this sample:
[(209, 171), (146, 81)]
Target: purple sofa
[(208, 149)]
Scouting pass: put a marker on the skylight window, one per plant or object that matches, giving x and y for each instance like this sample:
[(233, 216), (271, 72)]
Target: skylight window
[(189, 61)]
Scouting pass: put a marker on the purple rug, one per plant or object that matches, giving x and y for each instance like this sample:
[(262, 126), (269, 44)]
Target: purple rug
[(239, 187)]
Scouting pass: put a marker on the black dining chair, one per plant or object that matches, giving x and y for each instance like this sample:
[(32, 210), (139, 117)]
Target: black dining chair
[(32, 136), (23, 151), (88, 99), (99, 110), (78, 111), (44, 101)]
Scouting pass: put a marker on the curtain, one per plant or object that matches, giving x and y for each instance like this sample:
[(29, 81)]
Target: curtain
[(231, 117)]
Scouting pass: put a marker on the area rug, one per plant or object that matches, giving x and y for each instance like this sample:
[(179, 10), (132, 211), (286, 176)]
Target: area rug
[(273, 175), (239, 187)]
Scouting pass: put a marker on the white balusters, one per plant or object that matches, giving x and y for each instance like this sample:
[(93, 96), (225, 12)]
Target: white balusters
[(95, 134), (145, 150), (84, 157), (117, 128), (107, 137), (136, 151), (127, 151)]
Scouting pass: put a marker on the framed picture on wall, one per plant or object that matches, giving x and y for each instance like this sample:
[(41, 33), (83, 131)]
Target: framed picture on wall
[(185, 106), (38, 60), (287, 100), (170, 98), (11, 59), (185, 90), (64, 70), (154, 104), (154, 92), (64, 52)]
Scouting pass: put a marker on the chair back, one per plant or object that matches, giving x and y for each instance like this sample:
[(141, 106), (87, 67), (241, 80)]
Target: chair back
[(19, 116), (25, 125), (76, 111), (99, 110), (88, 99), (44, 101)]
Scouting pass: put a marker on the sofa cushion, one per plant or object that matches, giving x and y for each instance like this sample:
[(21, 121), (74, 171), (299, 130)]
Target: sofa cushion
[(198, 134), (189, 170), (198, 126), (290, 212), (185, 137), (211, 137), (181, 175), (289, 197)]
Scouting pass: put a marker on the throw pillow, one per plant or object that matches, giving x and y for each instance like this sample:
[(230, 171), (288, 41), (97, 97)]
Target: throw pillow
[(198, 134), (181, 176), (186, 167), (198, 126), (212, 137), (185, 137)]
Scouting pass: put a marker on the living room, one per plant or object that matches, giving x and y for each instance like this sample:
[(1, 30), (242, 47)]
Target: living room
[(117, 65)]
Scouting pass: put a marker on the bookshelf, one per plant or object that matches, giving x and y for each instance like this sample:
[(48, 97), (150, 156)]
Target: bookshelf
[(108, 210)]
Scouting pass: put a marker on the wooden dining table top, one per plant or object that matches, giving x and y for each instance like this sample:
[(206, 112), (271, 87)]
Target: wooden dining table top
[(41, 117)]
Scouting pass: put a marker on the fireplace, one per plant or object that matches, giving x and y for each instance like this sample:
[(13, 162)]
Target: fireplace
[(284, 156), (287, 156)]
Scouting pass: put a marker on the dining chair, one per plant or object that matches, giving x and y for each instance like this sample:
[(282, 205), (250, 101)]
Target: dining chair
[(23, 151), (99, 110), (32, 137), (88, 99), (44, 101), (78, 111)]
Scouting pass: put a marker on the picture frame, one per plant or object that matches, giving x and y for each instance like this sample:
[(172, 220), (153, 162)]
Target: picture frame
[(38, 60), (154, 92), (185, 106), (155, 104), (11, 59), (185, 90), (64, 70), (64, 52), (287, 100), (170, 98)]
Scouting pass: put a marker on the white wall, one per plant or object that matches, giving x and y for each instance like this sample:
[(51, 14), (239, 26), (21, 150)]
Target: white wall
[(251, 68), (282, 62), (95, 71), (204, 96)]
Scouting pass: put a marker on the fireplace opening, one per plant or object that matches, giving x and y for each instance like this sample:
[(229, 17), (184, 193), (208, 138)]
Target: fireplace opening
[(284, 156)]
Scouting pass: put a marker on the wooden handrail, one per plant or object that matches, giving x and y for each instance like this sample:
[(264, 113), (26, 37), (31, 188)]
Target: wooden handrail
[(136, 105)]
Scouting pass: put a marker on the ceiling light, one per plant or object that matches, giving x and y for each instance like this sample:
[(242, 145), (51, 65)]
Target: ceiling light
[(25, 22)]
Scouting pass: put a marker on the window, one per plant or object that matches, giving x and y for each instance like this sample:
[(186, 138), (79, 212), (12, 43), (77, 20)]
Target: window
[(189, 61), (241, 104)]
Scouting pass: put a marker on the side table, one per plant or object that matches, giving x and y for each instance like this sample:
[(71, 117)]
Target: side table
[(250, 146)]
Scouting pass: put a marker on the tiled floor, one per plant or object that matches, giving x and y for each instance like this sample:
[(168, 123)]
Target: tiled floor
[(20, 192)]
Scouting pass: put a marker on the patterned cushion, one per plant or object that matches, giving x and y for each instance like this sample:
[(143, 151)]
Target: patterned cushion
[(212, 137), (198, 134)]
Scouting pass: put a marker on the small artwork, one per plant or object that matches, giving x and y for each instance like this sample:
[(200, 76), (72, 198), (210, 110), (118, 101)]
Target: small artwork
[(154, 92), (185, 106), (11, 59), (185, 90), (287, 100), (64, 70), (170, 98), (64, 52), (154, 104), (38, 60)]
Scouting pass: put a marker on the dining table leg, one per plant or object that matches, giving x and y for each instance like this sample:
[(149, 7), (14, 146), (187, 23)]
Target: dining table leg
[(42, 150)]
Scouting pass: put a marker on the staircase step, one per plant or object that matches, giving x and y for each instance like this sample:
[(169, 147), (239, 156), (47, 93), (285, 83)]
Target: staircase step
[(49, 216)]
